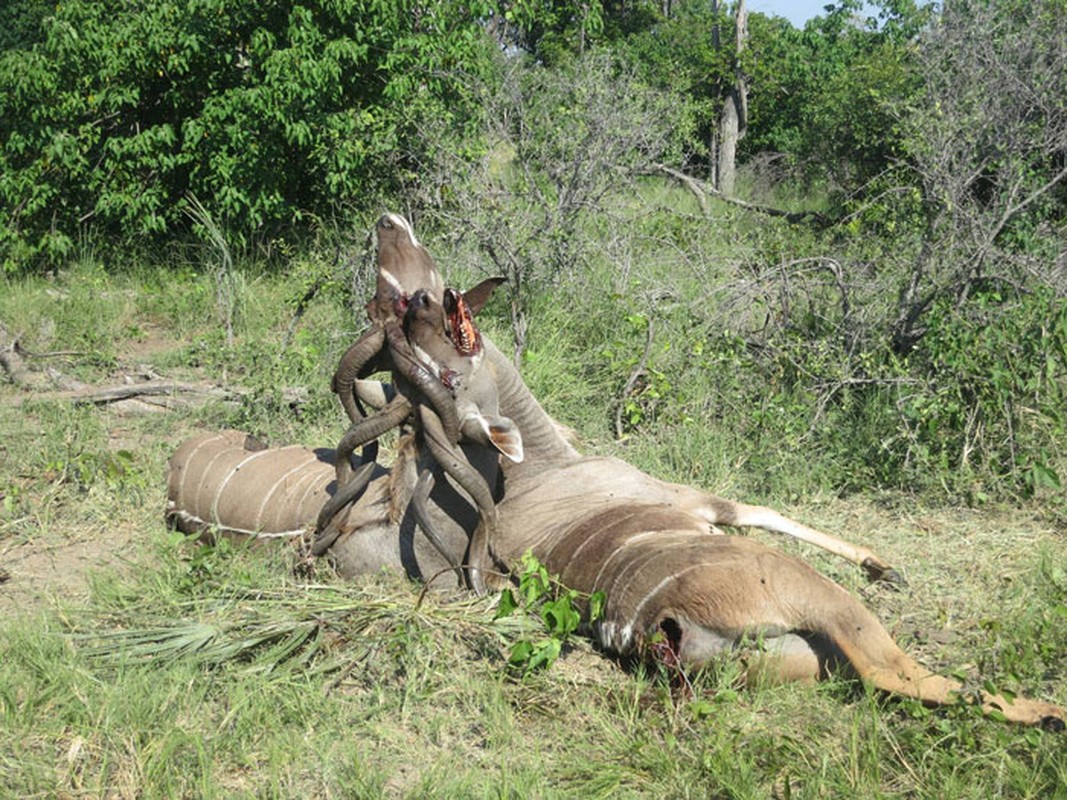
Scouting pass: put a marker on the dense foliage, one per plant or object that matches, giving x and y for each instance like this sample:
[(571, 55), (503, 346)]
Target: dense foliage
[(111, 114)]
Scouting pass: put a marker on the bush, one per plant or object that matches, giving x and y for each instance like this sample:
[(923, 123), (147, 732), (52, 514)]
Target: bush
[(266, 115)]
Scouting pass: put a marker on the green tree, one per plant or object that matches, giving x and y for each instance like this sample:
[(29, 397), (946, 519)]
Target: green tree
[(927, 332), (825, 96), (567, 142), (986, 152), (552, 31), (674, 47), (20, 22), (266, 112)]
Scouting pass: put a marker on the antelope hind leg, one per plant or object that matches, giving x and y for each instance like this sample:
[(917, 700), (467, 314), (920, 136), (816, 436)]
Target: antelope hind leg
[(791, 658), (746, 590)]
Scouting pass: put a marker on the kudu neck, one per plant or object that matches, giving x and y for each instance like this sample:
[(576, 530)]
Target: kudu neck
[(542, 440)]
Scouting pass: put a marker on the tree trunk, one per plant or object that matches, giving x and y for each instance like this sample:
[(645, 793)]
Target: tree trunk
[(733, 120)]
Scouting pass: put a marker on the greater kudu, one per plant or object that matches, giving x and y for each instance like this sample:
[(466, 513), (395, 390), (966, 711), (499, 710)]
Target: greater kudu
[(603, 526), (405, 269)]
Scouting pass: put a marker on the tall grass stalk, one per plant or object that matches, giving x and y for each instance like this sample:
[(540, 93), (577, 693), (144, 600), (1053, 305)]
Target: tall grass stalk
[(229, 284)]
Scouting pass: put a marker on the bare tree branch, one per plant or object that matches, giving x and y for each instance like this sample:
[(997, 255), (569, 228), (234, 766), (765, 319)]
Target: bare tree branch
[(702, 189)]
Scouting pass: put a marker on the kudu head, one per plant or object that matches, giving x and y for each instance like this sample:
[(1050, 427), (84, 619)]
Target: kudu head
[(404, 267), (448, 343)]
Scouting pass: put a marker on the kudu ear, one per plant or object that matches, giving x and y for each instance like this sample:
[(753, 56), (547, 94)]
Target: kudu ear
[(495, 431), (478, 296)]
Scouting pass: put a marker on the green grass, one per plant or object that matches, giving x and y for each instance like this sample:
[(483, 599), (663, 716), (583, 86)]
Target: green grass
[(400, 701), (175, 670)]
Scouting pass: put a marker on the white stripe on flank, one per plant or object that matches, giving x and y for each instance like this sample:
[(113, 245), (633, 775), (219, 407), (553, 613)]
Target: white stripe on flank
[(203, 476), (283, 479), (605, 632), (622, 546), (659, 587), (634, 566), (226, 480), (574, 555), (188, 461), (312, 487), (612, 636), (535, 544)]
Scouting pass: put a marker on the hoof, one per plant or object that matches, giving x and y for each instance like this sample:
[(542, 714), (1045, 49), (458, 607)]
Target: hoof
[(884, 574), (893, 578), (1053, 724)]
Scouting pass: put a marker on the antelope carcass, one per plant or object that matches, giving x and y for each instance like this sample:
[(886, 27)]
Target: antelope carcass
[(672, 589)]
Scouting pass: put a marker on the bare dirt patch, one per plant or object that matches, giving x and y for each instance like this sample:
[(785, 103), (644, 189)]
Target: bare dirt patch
[(47, 574), (50, 540)]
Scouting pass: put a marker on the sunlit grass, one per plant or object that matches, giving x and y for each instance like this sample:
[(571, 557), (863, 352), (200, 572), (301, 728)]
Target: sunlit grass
[(181, 671)]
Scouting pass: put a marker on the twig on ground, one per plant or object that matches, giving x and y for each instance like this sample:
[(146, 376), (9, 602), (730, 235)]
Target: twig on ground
[(701, 189), (22, 351), (111, 394)]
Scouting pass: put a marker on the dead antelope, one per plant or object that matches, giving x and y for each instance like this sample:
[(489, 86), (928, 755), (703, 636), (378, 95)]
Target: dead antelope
[(603, 526), (446, 340), (673, 591), (404, 267)]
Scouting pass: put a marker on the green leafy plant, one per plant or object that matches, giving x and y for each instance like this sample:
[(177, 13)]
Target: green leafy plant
[(268, 114), (11, 501), (559, 610)]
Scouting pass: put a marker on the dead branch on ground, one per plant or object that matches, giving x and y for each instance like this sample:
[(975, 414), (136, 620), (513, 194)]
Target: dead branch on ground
[(702, 189)]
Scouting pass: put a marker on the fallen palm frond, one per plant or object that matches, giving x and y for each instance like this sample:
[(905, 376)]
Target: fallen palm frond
[(316, 628)]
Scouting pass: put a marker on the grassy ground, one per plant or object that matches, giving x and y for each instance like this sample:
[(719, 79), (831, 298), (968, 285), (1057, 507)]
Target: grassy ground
[(134, 663)]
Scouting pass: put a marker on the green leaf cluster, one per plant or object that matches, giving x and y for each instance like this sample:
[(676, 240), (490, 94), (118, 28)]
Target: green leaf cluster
[(560, 612), (268, 112)]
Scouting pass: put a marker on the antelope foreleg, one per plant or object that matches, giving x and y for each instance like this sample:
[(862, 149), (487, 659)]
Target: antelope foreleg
[(727, 512)]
